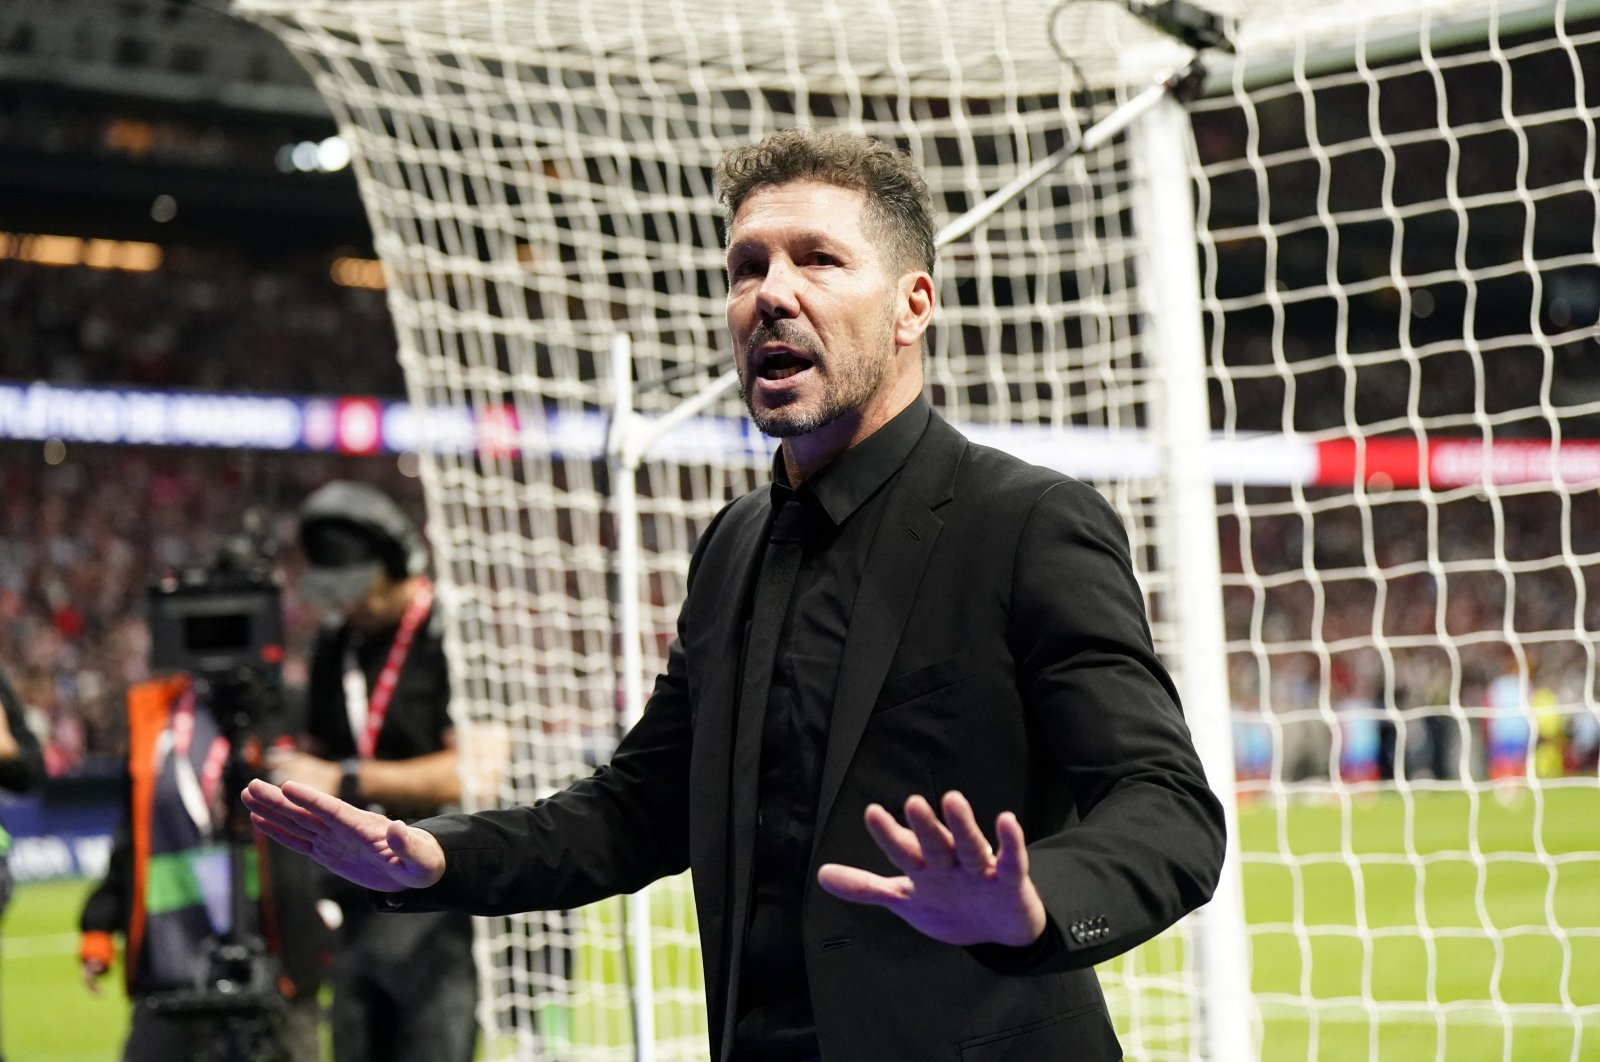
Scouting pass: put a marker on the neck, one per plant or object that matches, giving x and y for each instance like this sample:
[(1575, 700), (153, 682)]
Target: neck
[(806, 455)]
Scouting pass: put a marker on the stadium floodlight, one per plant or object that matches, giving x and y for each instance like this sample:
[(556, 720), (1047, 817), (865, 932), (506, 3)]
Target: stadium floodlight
[(1389, 255)]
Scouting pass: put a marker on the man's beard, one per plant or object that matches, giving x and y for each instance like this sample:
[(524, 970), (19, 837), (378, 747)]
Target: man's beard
[(848, 382)]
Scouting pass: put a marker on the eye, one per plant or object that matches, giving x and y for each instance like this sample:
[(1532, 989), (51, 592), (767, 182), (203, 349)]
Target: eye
[(744, 267), (823, 258)]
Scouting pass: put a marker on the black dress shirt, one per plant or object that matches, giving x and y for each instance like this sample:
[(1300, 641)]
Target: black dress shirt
[(842, 507)]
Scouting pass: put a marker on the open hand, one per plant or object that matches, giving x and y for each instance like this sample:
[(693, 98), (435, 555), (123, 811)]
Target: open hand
[(956, 888), (367, 848)]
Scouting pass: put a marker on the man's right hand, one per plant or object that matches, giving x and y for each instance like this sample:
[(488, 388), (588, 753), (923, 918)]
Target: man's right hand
[(369, 849)]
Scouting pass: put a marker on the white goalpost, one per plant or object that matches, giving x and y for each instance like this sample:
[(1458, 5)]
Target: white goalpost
[(1322, 335)]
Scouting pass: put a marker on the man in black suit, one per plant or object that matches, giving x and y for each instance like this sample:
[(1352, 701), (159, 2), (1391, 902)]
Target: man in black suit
[(902, 618)]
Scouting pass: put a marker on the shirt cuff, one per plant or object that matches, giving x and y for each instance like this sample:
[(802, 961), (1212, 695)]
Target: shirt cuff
[(1004, 959)]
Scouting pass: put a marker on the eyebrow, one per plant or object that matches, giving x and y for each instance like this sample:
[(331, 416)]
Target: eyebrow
[(809, 236)]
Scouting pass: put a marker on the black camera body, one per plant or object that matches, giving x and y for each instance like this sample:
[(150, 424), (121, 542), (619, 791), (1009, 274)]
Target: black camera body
[(217, 622)]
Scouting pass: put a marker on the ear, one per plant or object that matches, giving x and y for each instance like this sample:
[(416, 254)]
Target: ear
[(916, 302)]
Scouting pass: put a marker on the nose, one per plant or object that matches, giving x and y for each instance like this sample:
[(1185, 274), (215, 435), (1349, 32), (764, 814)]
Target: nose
[(777, 298)]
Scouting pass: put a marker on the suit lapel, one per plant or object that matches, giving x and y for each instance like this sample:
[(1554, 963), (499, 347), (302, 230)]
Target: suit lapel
[(719, 704), (727, 749), (893, 575)]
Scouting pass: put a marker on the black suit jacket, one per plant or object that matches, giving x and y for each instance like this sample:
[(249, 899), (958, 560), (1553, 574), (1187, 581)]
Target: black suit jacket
[(998, 647)]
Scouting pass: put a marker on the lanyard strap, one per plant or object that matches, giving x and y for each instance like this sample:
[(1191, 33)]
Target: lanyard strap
[(368, 710)]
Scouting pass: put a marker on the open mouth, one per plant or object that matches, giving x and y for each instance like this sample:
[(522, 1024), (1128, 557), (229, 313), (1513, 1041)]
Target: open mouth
[(781, 364)]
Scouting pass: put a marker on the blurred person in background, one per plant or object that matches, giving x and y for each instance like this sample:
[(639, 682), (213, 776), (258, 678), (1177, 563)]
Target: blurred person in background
[(379, 735), (1508, 723), (21, 769)]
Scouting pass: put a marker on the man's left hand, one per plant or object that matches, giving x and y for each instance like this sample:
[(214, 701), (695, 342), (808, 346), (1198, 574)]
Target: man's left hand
[(956, 888)]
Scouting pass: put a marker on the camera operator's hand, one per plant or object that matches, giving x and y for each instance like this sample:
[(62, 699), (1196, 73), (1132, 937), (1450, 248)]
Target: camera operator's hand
[(93, 970), (96, 953), (287, 765), (369, 849)]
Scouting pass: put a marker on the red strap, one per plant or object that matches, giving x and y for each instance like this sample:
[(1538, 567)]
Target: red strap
[(383, 690)]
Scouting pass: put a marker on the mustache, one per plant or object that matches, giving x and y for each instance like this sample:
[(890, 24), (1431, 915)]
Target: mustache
[(789, 333)]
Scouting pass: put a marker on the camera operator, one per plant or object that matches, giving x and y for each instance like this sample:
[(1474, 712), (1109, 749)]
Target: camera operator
[(379, 734), (189, 886), (21, 769)]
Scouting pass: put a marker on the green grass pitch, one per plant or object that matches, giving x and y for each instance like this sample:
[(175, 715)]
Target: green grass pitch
[(1429, 866), (1441, 862), (46, 1013)]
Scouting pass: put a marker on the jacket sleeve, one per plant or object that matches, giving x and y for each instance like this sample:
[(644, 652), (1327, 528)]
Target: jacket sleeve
[(108, 906), (613, 832), (25, 770), (1146, 845)]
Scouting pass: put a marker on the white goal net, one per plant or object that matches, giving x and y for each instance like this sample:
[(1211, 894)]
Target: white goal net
[(1396, 249), (1400, 229)]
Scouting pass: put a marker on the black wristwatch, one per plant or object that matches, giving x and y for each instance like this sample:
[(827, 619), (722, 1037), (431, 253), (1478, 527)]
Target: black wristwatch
[(350, 781)]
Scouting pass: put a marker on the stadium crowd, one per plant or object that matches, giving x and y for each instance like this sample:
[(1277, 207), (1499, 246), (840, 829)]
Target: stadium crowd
[(1446, 638), (208, 319)]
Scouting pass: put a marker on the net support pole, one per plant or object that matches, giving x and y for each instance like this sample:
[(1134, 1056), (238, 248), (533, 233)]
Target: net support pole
[(623, 456), (1169, 279)]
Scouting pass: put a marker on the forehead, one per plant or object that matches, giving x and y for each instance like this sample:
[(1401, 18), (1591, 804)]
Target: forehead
[(775, 211)]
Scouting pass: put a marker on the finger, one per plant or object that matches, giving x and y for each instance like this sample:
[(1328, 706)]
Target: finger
[(398, 837), (264, 797), (893, 839), (288, 839), (282, 824), (938, 848), (855, 885), (259, 794), (329, 809), (418, 851), (1011, 862), (268, 801), (91, 976), (972, 847)]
